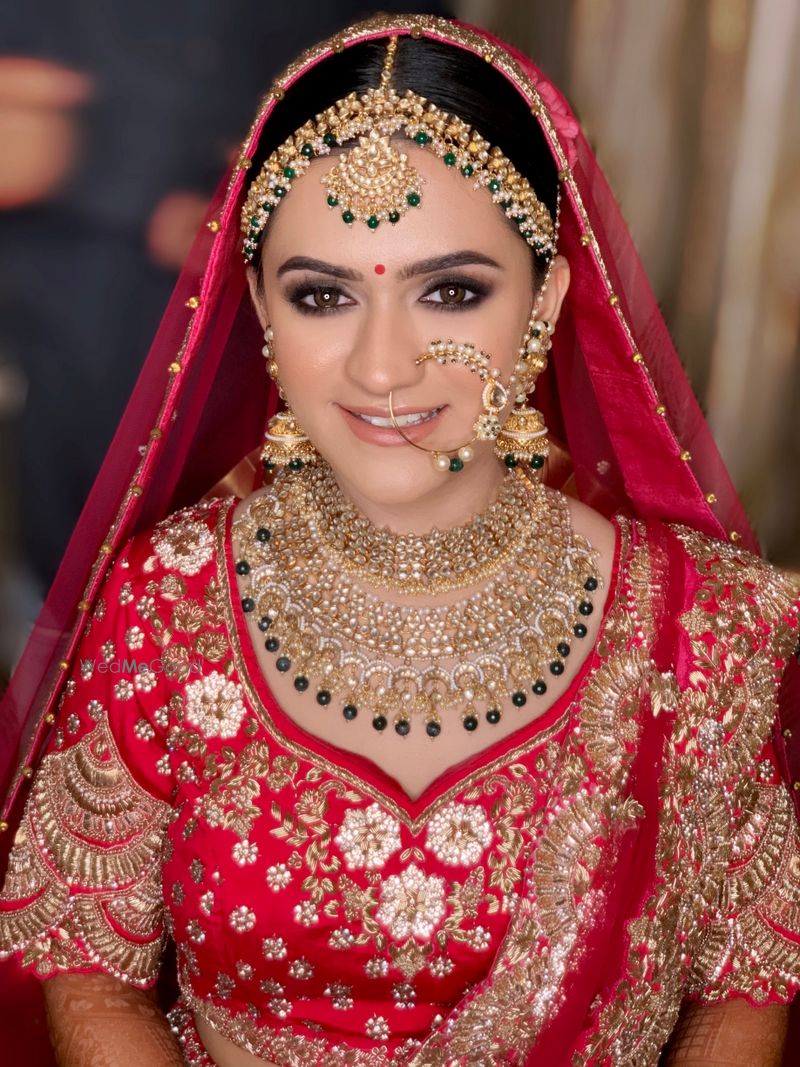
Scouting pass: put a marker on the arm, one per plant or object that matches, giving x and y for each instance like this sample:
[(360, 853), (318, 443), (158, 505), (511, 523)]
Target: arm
[(98, 1021), (729, 1034)]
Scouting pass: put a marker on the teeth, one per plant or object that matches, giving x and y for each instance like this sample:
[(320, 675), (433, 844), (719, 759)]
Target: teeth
[(401, 420)]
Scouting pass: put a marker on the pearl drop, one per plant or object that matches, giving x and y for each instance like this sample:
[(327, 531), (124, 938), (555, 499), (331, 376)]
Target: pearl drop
[(466, 453), (442, 463)]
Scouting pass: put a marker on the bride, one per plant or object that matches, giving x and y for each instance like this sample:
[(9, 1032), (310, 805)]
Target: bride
[(450, 740)]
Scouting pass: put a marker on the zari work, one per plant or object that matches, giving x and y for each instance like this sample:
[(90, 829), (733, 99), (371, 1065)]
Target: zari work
[(551, 894)]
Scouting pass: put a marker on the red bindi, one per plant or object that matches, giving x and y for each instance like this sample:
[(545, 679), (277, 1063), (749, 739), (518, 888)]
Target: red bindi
[(379, 268)]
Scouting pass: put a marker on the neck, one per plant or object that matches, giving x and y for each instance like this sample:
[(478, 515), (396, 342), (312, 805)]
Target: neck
[(454, 502)]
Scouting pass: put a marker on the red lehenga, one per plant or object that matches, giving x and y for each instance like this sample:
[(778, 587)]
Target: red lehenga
[(550, 901)]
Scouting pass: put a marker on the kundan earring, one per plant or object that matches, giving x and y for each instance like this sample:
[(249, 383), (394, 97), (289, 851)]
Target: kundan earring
[(524, 434), (285, 443)]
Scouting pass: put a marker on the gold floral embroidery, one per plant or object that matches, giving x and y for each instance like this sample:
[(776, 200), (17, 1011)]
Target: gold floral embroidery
[(728, 861), (88, 856), (183, 544)]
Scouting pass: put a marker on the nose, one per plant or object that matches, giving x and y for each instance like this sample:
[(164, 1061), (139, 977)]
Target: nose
[(383, 354)]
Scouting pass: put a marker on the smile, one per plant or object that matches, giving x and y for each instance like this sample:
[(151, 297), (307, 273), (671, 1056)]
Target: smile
[(410, 419)]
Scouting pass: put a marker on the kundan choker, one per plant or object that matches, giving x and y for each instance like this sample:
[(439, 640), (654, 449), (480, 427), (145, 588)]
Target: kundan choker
[(310, 563)]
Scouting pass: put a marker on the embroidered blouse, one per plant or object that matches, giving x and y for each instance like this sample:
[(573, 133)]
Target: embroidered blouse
[(558, 895)]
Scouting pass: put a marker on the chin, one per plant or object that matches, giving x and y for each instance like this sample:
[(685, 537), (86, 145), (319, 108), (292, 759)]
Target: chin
[(393, 477)]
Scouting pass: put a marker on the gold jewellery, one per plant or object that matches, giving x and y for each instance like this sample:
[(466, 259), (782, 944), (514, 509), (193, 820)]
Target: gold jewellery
[(328, 594), (374, 182)]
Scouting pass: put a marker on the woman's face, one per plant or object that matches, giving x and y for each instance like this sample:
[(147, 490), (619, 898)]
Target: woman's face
[(352, 309)]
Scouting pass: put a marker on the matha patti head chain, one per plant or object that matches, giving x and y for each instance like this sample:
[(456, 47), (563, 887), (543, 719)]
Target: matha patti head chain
[(374, 182)]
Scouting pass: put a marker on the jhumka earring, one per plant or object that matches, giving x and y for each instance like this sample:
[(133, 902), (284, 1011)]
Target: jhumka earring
[(494, 398), (524, 435), (285, 443)]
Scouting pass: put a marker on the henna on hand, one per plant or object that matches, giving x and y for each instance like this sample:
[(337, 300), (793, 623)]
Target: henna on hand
[(728, 1035), (95, 1020)]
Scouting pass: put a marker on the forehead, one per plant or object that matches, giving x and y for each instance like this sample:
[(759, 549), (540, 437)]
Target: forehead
[(452, 214)]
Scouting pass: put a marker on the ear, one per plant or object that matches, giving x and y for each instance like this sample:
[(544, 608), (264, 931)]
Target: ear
[(258, 297), (555, 291)]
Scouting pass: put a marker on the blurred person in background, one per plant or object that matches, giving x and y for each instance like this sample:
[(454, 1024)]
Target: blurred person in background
[(464, 741)]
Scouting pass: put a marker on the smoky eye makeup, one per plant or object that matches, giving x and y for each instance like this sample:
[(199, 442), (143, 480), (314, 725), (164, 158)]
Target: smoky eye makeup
[(311, 297), (455, 293)]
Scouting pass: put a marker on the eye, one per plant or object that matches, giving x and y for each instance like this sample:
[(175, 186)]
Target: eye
[(454, 294), (316, 298), (323, 297)]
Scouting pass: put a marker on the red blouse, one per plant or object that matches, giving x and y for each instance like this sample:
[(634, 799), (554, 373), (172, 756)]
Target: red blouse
[(563, 890)]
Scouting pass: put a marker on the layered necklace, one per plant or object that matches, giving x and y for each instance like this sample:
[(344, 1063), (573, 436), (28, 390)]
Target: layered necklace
[(327, 589)]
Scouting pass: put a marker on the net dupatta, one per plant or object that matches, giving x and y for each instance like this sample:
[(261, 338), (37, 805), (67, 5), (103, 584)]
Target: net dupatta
[(615, 395)]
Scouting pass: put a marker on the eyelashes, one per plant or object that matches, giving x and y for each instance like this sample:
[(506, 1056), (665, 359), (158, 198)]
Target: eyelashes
[(451, 294)]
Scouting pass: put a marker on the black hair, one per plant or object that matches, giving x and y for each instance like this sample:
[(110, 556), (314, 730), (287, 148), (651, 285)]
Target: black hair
[(456, 80)]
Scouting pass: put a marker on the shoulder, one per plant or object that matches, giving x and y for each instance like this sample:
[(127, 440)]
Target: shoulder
[(736, 600)]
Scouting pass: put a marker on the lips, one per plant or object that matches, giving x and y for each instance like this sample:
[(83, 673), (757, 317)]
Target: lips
[(374, 425), (413, 418)]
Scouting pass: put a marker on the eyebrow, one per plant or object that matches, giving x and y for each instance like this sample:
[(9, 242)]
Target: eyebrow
[(468, 257)]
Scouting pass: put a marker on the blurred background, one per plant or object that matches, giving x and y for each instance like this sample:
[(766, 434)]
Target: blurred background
[(118, 118)]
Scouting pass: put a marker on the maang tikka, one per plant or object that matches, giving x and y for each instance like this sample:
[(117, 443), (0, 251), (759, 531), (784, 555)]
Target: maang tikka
[(285, 442)]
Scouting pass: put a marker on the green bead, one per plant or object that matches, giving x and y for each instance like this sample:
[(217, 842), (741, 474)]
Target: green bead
[(421, 138), (329, 139), (494, 186), (307, 151), (295, 464), (540, 688), (323, 697), (456, 464), (505, 204), (402, 727), (279, 191), (255, 221), (413, 199), (332, 201), (510, 460), (537, 462), (433, 728), (350, 711), (493, 716), (519, 699), (467, 170), (288, 172), (373, 222), (449, 158), (527, 234), (347, 216), (470, 723), (394, 216)]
